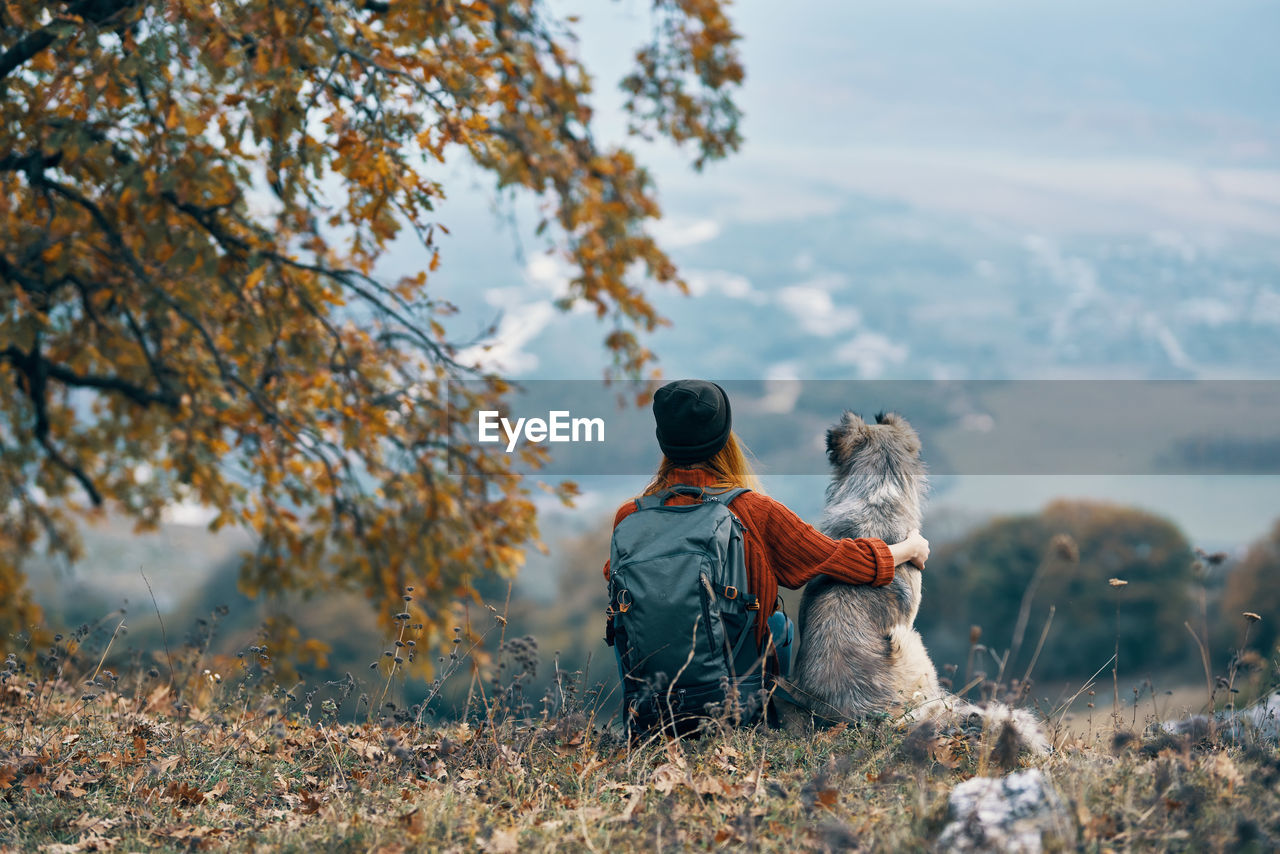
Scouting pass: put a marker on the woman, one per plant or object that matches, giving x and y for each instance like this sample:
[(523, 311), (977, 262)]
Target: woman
[(701, 451)]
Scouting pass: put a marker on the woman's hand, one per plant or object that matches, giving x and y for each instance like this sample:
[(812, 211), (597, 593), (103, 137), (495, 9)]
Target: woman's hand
[(914, 549)]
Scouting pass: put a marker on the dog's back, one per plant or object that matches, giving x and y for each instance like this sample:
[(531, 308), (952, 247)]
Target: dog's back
[(858, 652)]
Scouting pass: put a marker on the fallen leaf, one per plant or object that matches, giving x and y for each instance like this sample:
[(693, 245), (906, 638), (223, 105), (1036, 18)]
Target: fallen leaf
[(7, 775), (708, 785), (1224, 769), (218, 790), (411, 821), (88, 842), (675, 754), (572, 744), (944, 754), (163, 766), (184, 793), (193, 832), (503, 841), (97, 822), (665, 778), (309, 804)]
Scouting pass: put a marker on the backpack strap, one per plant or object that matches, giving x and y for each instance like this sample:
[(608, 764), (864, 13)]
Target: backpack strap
[(725, 497), (645, 502), (748, 629)]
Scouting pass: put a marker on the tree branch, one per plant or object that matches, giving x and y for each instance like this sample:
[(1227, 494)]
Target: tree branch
[(29, 161), (91, 11), (35, 370), (27, 47), (26, 362)]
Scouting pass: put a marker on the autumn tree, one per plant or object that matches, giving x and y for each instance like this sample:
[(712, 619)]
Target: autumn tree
[(194, 197), (981, 580), (1252, 587)]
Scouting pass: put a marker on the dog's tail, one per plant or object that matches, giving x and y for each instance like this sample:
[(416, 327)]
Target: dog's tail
[(799, 709), (991, 717)]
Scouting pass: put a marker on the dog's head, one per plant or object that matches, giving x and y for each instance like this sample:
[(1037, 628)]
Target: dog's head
[(890, 446)]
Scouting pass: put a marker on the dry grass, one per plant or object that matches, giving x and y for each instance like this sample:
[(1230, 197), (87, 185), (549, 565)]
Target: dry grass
[(94, 761)]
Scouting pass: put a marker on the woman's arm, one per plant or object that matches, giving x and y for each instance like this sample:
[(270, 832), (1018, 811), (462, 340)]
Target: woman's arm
[(914, 549), (797, 552)]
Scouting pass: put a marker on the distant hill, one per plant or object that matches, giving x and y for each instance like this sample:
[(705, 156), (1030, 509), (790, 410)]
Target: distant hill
[(177, 559)]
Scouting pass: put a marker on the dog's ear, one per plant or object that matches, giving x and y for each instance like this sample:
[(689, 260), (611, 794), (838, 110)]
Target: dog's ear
[(902, 428), (833, 444), (843, 438)]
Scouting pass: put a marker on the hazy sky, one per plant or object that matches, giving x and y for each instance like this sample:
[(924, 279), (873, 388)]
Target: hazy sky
[(1064, 78), (977, 128), (991, 161)]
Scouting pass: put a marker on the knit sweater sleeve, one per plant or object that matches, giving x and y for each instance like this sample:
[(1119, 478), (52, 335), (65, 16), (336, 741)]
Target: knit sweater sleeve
[(799, 552)]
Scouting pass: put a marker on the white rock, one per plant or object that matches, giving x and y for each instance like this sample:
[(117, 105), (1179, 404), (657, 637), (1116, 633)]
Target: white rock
[(1015, 814), (1261, 722), (1265, 716)]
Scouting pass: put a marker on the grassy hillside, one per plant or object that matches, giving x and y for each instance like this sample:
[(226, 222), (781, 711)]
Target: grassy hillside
[(199, 757)]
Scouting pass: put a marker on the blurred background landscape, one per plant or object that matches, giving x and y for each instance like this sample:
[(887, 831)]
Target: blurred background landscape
[(928, 190)]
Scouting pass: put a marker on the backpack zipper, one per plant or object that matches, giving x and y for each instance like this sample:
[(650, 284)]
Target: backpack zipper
[(709, 594)]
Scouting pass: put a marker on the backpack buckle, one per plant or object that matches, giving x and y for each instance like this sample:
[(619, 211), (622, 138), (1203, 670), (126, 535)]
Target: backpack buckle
[(624, 600), (731, 592), (753, 605)]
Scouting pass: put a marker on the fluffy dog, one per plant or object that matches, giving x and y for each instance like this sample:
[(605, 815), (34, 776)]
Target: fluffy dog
[(858, 651)]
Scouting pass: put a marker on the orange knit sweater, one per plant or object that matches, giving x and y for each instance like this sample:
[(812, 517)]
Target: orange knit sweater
[(781, 548)]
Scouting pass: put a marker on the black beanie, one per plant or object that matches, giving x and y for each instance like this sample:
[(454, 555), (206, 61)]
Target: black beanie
[(693, 420)]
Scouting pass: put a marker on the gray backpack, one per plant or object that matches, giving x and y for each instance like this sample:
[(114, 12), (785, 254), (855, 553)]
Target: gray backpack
[(680, 615)]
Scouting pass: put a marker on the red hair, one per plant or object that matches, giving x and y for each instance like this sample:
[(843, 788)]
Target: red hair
[(730, 468)]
